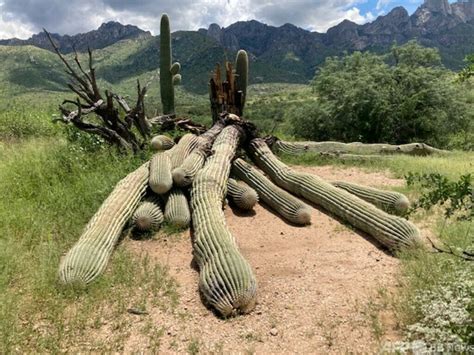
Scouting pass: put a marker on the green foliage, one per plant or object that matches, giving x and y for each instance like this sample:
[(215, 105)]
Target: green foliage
[(457, 197), (468, 71), (363, 98)]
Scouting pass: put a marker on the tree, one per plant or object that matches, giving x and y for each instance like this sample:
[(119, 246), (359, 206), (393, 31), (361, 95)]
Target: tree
[(399, 97), (468, 71)]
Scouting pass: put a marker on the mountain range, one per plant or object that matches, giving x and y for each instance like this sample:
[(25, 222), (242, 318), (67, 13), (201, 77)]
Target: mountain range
[(278, 54)]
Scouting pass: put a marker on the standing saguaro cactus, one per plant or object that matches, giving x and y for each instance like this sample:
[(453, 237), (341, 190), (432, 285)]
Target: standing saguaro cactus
[(242, 75), (169, 74)]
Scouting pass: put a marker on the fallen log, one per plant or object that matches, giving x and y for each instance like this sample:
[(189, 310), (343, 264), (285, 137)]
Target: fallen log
[(357, 148)]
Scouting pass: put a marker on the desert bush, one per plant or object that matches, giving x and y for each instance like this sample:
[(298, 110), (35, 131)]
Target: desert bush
[(403, 96)]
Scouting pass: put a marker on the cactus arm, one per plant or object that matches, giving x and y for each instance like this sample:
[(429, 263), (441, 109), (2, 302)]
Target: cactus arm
[(88, 258), (169, 76), (391, 231), (226, 280), (160, 178), (180, 151), (184, 174), (148, 216), (286, 205), (177, 209), (389, 201), (161, 142), (243, 196)]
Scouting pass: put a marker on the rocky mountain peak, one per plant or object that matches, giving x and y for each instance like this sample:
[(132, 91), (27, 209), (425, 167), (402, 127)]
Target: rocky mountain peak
[(107, 34), (438, 6)]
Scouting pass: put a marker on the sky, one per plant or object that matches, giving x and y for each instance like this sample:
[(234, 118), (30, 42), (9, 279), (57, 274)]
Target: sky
[(22, 18)]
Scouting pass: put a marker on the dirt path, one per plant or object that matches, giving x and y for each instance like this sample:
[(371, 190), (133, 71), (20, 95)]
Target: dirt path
[(321, 287)]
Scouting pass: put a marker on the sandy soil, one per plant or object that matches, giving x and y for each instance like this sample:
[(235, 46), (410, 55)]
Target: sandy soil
[(320, 287)]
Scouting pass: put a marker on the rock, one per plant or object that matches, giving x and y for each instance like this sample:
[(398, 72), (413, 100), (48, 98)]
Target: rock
[(274, 332)]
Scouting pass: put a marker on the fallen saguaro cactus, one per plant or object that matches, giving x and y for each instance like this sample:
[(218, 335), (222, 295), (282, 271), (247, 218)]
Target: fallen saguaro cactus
[(243, 196), (88, 258), (389, 201), (357, 148), (285, 204), (226, 280), (393, 232)]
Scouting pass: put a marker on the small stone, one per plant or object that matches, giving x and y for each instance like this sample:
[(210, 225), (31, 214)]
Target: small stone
[(274, 331)]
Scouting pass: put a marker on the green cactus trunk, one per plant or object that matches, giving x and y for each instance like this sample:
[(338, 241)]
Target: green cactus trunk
[(169, 74), (161, 142), (285, 204), (389, 201), (88, 258), (148, 216), (177, 209), (242, 75), (226, 281), (391, 231), (243, 196)]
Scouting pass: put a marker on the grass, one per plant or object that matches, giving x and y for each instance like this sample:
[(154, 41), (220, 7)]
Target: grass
[(48, 194)]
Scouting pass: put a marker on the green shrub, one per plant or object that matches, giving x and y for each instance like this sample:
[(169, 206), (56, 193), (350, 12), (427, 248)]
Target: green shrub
[(457, 197), (401, 97)]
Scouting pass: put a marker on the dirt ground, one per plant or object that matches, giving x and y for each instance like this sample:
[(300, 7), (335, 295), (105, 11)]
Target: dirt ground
[(322, 288)]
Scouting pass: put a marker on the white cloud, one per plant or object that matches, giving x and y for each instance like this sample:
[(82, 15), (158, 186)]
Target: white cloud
[(382, 4), (22, 17)]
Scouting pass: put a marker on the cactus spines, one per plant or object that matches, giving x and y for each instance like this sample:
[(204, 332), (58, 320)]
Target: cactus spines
[(288, 206), (161, 142), (243, 196), (88, 258), (185, 173), (177, 209), (148, 216), (242, 74), (226, 280), (391, 231), (168, 73), (160, 179), (389, 201)]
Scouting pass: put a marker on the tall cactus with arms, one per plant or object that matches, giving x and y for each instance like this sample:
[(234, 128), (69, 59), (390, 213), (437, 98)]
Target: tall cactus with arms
[(169, 74)]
